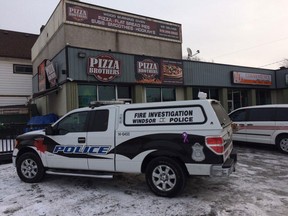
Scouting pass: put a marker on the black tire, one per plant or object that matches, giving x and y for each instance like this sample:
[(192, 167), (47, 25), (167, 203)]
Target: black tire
[(30, 168), (165, 177), (282, 143)]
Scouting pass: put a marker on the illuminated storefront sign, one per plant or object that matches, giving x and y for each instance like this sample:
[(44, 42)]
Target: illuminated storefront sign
[(251, 78)]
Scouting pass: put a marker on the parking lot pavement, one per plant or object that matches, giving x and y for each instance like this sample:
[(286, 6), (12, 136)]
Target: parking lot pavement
[(258, 187)]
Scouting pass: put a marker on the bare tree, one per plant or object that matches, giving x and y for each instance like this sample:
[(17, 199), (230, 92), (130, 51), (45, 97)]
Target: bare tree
[(284, 63)]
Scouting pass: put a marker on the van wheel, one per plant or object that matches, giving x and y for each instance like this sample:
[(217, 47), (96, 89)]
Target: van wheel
[(30, 168), (282, 143), (165, 177)]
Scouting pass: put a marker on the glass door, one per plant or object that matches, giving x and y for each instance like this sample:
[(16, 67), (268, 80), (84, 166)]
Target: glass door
[(237, 99)]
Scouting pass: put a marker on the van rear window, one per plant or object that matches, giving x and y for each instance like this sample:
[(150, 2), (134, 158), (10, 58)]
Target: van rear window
[(221, 113)]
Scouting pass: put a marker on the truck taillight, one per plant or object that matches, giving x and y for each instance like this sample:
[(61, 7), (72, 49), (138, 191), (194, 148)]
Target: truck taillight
[(216, 144)]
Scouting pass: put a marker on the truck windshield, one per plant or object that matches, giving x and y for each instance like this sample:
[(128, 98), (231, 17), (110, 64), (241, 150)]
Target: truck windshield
[(221, 113)]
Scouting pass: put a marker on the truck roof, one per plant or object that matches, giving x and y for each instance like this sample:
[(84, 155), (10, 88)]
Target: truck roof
[(150, 104)]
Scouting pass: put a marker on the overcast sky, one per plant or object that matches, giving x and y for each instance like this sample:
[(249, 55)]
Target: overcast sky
[(238, 32)]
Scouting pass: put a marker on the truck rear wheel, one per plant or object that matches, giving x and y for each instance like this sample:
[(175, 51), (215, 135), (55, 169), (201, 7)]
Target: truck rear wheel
[(165, 177), (282, 143), (30, 168)]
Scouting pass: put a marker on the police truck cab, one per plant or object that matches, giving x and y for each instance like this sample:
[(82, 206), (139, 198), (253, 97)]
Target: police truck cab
[(167, 141)]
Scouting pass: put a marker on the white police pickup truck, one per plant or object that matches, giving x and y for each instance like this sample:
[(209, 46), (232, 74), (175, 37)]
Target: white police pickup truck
[(167, 141)]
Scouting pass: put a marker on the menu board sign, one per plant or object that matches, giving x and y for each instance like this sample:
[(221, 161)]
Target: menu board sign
[(156, 71), (125, 22), (172, 72), (147, 70)]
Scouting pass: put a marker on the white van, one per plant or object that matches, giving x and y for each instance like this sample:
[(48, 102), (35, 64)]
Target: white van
[(267, 124), (167, 141)]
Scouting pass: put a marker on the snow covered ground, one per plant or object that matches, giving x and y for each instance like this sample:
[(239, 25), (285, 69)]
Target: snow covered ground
[(259, 187)]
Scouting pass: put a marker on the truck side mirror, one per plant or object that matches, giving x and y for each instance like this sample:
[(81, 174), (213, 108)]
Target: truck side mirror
[(49, 130)]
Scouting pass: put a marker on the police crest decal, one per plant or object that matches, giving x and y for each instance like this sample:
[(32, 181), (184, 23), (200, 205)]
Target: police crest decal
[(197, 152)]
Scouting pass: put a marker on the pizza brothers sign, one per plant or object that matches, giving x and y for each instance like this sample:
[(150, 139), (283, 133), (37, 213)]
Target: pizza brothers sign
[(104, 67)]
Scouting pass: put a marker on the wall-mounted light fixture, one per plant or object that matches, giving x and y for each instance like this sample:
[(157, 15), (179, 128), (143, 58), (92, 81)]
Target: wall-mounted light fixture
[(81, 55)]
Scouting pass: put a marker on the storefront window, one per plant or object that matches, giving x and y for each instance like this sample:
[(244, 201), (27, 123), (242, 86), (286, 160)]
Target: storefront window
[(123, 92), (86, 94), (168, 94), (212, 93), (263, 97), (154, 94), (106, 93)]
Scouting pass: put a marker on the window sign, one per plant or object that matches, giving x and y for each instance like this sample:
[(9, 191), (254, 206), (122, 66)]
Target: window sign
[(51, 73)]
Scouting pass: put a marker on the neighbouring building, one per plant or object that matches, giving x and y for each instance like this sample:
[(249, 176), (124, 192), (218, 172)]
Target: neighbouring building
[(15, 75)]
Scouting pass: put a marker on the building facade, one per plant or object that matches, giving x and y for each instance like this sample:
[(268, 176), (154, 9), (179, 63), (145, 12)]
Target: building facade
[(15, 67), (87, 53)]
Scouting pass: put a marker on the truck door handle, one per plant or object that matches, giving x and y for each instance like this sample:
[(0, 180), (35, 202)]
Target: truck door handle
[(81, 139)]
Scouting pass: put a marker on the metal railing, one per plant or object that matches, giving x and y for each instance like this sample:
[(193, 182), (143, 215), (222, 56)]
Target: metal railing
[(8, 134), (7, 142)]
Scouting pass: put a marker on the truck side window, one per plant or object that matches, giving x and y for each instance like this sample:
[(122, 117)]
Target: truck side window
[(76, 122), (100, 121)]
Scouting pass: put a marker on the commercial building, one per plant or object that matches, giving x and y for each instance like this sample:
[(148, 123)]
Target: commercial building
[(86, 53)]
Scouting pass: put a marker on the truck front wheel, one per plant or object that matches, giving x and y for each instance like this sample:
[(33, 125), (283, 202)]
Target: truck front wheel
[(30, 168), (165, 177)]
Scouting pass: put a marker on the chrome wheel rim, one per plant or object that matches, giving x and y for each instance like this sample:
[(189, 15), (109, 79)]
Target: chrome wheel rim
[(29, 168), (164, 178), (284, 144)]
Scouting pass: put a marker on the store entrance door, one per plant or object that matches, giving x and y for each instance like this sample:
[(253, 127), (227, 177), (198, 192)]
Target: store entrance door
[(237, 99)]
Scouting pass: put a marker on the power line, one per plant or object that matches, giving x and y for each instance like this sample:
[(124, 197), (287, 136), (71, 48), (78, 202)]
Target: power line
[(248, 48), (274, 63)]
